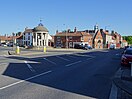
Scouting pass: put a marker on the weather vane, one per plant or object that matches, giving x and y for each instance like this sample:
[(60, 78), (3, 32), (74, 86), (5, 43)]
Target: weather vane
[(40, 20), (40, 24)]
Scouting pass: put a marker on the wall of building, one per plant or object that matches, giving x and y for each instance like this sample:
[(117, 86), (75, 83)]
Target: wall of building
[(98, 41), (27, 39)]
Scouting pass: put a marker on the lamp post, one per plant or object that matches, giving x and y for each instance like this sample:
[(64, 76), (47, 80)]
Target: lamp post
[(13, 34), (66, 37), (66, 40)]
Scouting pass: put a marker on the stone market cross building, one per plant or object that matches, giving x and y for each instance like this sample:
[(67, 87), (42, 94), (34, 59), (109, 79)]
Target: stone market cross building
[(36, 37)]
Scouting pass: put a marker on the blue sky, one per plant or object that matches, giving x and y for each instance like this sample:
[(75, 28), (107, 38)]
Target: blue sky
[(84, 14)]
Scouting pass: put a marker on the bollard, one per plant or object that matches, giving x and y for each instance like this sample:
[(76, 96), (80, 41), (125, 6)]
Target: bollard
[(44, 49), (17, 50), (131, 68)]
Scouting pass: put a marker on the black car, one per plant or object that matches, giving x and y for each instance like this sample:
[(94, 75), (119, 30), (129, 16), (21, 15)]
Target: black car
[(78, 46)]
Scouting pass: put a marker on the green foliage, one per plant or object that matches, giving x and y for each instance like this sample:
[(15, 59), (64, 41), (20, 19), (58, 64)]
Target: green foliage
[(128, 39)]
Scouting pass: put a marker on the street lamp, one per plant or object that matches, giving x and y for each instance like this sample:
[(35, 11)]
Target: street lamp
[(66, 40), (66, 37), (13, 34)]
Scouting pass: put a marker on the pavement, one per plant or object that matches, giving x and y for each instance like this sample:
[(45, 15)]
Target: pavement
[(49, 51), (123, 83)]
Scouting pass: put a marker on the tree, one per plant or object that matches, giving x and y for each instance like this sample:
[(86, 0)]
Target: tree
[(129, 39)]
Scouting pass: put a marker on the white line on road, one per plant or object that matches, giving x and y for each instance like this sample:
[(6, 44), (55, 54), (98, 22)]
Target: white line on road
[(71, 56), (49, 61), (84, 55), (113, 93), (4, 63), (30, 67), (13, 84), (73, 63), (3, 55), (62, 58), (89, 58), (118, 54), (104, 51)]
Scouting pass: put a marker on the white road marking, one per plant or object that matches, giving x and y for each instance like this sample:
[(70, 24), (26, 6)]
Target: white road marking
[(73, 63), (118, 54), (4, 63), (13, 84), (104, 51), (62, 58), (89, 58), (30, 67), (49, 61), (113, 93), (71, 56), (3, 55), (84, 55)]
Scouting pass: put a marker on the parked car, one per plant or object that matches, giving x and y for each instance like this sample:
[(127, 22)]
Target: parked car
[(3, 44), (10, 44), (78, 46), (126, 57), (126, 47), (87, 47), (112, 46)]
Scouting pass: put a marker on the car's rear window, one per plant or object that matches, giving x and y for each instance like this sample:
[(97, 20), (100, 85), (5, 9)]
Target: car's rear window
[(128, 52)]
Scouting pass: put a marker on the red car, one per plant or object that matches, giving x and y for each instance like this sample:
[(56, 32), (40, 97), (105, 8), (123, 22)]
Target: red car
[(126, 58)]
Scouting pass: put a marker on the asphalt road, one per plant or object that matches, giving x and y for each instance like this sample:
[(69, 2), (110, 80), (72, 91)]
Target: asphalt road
[(69, 76)]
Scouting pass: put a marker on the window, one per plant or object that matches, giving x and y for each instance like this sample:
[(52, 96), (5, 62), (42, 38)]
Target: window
[(28, 37), (70, 37), (24, 42), (23, 37), (58, 37), (82, 38)]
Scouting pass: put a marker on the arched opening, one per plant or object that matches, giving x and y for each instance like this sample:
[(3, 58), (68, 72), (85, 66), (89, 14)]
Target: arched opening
[(99, 43)]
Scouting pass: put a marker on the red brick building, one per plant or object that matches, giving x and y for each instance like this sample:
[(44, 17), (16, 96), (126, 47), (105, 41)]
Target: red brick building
[(118, 39), (69, 39), (98, 40)]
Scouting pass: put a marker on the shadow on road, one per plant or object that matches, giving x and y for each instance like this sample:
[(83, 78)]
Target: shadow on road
[(55, 79)]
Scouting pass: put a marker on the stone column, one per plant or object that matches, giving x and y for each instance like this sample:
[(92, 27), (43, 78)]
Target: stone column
[(44, 40), (36, 39), (41, 39)]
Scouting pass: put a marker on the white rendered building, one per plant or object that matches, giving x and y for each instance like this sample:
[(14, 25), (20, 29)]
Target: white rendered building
[(36, 37)]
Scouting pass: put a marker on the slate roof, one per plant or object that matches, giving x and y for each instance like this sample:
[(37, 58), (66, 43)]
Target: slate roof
[(73, 34)]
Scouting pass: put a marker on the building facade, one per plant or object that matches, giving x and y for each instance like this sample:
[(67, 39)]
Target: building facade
[(36, 37), (68, 39), (98, 40)]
